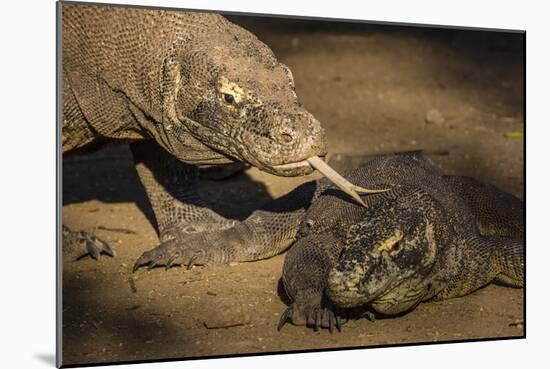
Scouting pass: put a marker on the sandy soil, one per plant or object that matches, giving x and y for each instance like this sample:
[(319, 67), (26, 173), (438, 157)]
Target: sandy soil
[(371, 87)]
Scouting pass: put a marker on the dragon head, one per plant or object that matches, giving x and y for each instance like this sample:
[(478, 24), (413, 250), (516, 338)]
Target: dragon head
[(228, 98), (387, 255)]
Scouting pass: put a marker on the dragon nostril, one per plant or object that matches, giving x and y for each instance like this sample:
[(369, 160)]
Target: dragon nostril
[(286, 137)]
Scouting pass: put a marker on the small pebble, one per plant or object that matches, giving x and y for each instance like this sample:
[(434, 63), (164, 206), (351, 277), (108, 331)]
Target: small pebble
[(434, 116), (517, 324)]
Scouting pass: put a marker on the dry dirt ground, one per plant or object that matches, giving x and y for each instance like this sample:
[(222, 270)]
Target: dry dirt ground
[(371, 87)]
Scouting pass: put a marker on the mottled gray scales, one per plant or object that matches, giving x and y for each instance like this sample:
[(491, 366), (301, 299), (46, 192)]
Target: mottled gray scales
[(496, 212)]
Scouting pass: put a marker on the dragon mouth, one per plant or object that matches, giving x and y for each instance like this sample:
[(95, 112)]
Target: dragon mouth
[(344, 290), (349, 298), (304, 167), (297, 168), (296, 165)]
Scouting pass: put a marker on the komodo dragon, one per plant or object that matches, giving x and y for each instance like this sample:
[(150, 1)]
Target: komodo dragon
[(432, 237), (186, 89)]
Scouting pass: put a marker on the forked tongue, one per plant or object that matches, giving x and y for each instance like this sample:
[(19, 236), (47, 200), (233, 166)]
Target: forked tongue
[(342, 183)]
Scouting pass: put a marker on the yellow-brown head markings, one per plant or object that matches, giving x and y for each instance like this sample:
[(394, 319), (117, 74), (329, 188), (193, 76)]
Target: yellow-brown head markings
[(231, 93), (390, 244)]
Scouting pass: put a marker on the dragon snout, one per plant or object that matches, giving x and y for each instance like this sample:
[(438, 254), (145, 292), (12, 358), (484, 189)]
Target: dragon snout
[(293, 139), (285, 135), (303, 132), (317, 137)]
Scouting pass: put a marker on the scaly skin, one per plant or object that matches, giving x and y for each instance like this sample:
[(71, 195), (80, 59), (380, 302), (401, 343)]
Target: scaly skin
[(188, 89), (431, 238)]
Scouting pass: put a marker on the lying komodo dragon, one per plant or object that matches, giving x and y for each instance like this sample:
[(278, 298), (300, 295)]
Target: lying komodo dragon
[(187, 89), (430, 237)]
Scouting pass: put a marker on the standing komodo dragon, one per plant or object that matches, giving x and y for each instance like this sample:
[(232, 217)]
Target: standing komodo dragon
[(186, 89)]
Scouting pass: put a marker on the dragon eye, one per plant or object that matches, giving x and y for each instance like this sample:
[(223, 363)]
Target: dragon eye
[(396, 247), (228, 98)]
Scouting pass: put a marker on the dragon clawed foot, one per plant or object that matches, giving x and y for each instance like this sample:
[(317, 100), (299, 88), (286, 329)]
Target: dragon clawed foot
[(79, 244), (188, 249), (313, 315), (170, 253)]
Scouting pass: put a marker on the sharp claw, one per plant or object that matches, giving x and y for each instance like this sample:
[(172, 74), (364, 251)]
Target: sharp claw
[(324, 317), (108, 250), (139, 263), (171, 261), (284, 318), (317, 320), (152, 264), (370, 316), (192, 261), (136, 266), (92, 250), (102, 246)]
